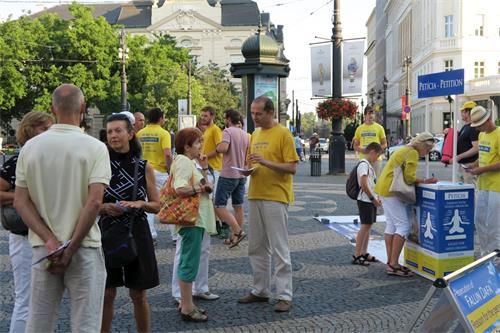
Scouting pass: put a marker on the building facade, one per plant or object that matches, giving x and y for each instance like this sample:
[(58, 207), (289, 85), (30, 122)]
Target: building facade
[(212, 30), (427, 36)]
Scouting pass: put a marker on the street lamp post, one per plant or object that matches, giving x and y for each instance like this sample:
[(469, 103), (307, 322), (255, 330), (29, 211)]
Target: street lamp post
[(406, 68), (336, 151), (123, 56), (372, 95)]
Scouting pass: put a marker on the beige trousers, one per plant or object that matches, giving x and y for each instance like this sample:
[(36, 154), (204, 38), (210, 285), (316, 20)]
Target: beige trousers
[(268, 238), (84, 280)]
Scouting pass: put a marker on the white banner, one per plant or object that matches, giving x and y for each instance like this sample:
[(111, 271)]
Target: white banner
[(321, 70), (352, 68)]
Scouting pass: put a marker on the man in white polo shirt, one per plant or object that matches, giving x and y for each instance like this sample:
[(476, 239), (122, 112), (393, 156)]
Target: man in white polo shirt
[(60, 182)]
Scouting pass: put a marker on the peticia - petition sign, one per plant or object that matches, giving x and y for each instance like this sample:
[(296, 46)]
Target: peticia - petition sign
[(441, 84)]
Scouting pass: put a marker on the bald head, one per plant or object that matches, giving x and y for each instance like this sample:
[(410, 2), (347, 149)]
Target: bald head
[(67, 99)]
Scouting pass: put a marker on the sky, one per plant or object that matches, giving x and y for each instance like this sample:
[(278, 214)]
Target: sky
[(303, 20)]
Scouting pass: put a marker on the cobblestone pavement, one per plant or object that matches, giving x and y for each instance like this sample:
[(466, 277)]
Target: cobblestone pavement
[(330, 294)]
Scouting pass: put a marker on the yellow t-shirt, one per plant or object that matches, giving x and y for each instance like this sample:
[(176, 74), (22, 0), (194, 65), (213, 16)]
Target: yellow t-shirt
[(406, 155), (489, 153), (154, 140), (274, 144), (211, 138), (367, 134)]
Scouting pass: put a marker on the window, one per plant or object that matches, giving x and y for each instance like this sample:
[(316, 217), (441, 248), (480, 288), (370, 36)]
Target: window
[(448, 26), (479, 25), (478, 69), (186, 43), (448, 65)]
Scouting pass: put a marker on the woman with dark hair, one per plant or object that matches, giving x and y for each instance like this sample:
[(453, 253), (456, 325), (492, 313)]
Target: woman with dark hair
[(142, 273), (32, 124), (188, 180)]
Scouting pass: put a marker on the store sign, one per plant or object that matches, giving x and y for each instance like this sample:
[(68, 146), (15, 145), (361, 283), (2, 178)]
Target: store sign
[(441, 84)]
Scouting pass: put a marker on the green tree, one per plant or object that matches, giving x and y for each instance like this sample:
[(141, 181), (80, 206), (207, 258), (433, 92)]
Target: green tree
[(308, 123), (37, 55), (42, 53), (217, 89)]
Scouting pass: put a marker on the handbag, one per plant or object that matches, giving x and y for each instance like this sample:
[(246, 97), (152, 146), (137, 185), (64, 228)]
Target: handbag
[(12, 221), (118, 243), (176, 209), (401, 190)]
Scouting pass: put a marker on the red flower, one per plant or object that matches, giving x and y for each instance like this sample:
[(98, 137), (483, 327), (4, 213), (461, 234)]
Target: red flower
[(336, 108)]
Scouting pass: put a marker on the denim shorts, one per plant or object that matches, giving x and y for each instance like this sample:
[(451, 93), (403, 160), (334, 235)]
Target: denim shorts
[(230, 187)]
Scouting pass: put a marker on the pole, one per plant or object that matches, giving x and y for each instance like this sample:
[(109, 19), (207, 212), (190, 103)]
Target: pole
[(407, 62), (123, 57), (297, 116), (336, 151), (294, 123), (455, 139), (189, 97), (427, 130), (384, 103)]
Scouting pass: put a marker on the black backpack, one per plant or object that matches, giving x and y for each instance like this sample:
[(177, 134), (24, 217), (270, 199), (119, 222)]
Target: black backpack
[(352, 187)]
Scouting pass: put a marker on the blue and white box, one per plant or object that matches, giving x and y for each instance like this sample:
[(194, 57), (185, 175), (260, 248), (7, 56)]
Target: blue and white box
[(446, 217)]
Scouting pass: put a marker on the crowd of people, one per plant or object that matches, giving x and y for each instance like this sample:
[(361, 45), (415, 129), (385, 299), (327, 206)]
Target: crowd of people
[(478, 152), (71, 189)]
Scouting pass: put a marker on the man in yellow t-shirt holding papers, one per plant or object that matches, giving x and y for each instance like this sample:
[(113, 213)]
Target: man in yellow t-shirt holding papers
[(488, 169), (273, 161)]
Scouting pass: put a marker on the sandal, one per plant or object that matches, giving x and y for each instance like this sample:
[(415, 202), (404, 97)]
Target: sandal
[(398, 271), (360, 260), (239, 237), (368, 257), (200, 310), (194, 316)]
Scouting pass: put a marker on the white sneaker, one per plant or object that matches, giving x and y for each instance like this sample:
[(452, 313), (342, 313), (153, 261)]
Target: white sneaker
[(208, 296)]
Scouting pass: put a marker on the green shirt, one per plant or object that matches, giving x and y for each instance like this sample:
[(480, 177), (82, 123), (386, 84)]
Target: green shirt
[(407, 155)]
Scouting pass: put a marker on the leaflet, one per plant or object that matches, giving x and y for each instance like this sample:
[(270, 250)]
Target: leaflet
[(57, 251), (242, 169)]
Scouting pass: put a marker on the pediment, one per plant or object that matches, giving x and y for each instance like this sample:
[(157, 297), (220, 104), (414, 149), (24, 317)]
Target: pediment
[(185, 20)]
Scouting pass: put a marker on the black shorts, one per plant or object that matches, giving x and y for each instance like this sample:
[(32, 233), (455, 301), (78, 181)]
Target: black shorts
[(367, 212), (142, 273)]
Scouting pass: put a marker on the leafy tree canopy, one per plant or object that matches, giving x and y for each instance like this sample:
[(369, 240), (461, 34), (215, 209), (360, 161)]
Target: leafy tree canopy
[(37, 55)]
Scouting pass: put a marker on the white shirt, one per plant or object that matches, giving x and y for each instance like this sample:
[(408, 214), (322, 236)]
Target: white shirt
[(57, 168), (365, 168)]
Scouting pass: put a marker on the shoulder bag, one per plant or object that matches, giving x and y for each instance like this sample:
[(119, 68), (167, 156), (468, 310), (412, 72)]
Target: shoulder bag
[(118, 243), (401, 190), (176, 209), (11, 220)]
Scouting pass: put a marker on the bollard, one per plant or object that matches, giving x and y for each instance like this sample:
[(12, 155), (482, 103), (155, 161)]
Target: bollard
[(315, 160)]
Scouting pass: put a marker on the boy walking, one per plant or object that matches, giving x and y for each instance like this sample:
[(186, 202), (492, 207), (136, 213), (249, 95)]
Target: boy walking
[(367, 202)]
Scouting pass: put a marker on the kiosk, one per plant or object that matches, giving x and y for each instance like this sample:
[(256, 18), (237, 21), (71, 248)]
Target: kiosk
[(442, 236)]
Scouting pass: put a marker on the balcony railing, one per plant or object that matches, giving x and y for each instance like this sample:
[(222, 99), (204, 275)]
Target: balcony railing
[(484, 85)]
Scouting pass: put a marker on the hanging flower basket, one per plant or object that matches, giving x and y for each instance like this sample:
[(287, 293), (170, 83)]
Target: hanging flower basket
[(336, 108)]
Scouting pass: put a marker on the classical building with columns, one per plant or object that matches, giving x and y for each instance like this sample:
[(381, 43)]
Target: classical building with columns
[(434, 36), (213, 30)]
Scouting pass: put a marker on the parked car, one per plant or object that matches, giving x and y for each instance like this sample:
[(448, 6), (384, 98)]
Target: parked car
[(323, 145), (434, 154)]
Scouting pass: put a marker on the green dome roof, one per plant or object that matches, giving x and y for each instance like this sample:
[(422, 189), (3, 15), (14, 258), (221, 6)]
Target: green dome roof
[(260, 46)]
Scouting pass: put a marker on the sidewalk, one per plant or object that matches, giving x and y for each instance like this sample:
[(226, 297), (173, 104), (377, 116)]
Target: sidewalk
[(330, 294)]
